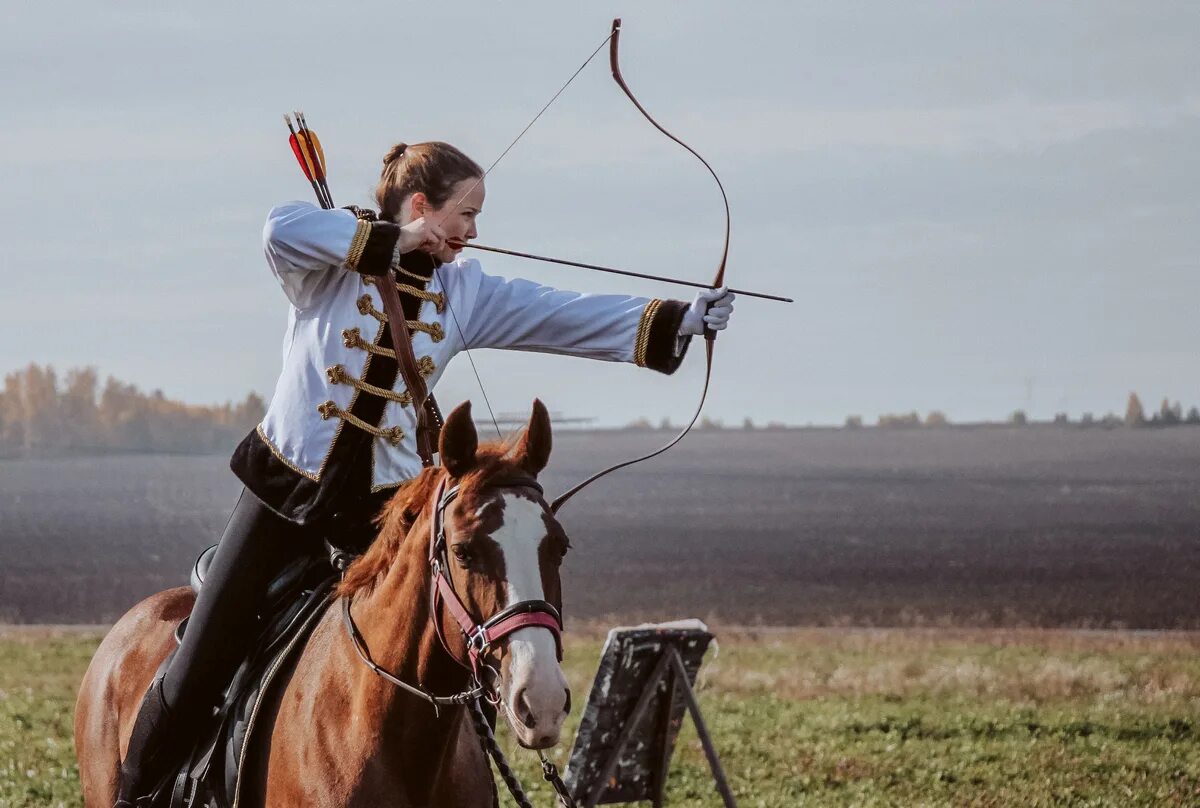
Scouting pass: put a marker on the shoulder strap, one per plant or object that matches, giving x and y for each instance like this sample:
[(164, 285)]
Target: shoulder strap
[(428, 416)]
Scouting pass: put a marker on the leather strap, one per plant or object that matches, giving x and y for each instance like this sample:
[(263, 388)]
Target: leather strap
[(428, 416)]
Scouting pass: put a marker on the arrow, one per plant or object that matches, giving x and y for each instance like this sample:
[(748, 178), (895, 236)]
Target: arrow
[(458, 245), (301, 142)]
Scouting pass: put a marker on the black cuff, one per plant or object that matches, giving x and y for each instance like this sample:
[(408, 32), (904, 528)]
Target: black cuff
[(373, 246), (658, 336)]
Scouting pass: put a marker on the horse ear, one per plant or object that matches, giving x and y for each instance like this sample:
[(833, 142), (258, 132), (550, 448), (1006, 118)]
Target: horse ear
[(533, 450), (459, 441)]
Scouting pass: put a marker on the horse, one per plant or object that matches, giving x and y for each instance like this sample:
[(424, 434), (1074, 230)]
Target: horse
[(341, 733)]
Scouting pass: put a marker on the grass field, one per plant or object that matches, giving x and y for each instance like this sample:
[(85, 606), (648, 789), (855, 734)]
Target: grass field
[(817, 717)]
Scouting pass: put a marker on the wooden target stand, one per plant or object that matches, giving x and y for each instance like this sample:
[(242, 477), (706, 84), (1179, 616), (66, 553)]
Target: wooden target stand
[(642, 690)]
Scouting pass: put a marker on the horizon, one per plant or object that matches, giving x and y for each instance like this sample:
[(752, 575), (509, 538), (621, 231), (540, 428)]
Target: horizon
[(1170, 412)]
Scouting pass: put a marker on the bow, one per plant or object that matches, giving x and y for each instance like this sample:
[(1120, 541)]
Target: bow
[(718, 278), (613, 41)]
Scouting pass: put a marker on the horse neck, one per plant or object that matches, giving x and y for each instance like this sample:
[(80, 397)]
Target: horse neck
[(395, 623)]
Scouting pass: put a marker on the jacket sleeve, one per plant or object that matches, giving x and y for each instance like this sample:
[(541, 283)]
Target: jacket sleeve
[(525, 316), (302, 241)]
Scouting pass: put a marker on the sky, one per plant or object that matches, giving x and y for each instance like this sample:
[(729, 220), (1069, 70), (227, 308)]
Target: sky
[(977, 207)]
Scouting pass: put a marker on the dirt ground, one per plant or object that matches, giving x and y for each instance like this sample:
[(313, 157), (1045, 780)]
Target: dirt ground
[(1034, 526)]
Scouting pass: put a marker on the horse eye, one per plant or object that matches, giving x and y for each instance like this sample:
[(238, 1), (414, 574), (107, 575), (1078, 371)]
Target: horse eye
[(462, 553)]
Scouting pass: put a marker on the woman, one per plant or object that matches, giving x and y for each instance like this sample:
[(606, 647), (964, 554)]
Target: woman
[(338, 436)]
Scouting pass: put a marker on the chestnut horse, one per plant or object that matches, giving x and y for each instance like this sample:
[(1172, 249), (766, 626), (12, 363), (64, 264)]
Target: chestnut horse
[(341, 734)]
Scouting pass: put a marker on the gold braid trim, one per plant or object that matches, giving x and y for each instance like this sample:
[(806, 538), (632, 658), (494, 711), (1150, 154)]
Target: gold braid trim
[(392, 434), (362, 231), (352, 338), (642, 341), (282, 458), (413, 275), (338, 375), (434, 330), (438, 299)]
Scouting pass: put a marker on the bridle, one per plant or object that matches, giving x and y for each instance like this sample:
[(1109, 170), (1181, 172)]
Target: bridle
[(480, 637)]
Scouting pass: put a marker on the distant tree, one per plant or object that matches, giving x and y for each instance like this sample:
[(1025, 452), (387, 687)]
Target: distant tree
[(78, 407), (1134, 414), (1088, 419), (1193, 416), (639, 423), (42, 416), (37, 405), (1061, 418), (1170, 414), (854, 422), (665, 424), (748, 424), (251, 411), (900, 421), (710, 423), (936, 418), (1018, 418)]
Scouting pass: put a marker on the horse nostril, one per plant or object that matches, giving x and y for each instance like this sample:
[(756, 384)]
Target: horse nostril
[(567, 705), (524, 711)]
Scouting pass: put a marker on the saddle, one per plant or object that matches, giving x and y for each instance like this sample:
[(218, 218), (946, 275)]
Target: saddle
[(211, 775)]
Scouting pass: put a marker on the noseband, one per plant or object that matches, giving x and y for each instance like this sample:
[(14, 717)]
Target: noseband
[(480, 637)]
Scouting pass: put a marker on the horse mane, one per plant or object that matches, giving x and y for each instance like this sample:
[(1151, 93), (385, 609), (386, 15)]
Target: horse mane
[(402, 511)]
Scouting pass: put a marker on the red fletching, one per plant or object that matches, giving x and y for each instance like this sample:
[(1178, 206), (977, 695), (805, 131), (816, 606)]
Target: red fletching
[(297, 150)]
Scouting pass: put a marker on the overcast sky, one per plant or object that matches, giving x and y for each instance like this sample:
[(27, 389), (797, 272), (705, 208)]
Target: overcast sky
[(977, 207)]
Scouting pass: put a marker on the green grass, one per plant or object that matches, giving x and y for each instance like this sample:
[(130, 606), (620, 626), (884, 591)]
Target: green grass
[(817, 718)]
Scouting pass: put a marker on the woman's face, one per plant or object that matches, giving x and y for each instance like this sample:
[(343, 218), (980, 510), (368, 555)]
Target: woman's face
[(457, 216)]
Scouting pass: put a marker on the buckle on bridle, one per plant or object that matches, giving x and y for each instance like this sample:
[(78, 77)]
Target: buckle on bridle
[(477, 641)]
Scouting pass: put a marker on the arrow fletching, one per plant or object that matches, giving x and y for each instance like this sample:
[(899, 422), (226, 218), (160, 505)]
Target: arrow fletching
[(298, 151), (318, 153), (302, 149)]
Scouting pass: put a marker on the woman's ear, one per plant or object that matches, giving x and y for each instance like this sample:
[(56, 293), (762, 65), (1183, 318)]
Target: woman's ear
[(420, 205)]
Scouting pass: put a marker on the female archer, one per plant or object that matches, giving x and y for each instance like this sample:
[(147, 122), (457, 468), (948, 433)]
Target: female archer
[(338, 436)]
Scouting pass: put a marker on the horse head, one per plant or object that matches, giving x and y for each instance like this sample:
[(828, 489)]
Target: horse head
[(503, 549)]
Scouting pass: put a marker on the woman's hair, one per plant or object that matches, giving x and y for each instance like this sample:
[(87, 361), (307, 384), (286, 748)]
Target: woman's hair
[(432, 168)]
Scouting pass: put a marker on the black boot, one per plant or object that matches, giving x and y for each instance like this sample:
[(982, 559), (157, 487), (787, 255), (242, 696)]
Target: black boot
[(150, 749)]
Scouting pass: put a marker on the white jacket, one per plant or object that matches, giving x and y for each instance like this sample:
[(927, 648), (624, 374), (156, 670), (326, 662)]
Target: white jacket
[(336, 323)]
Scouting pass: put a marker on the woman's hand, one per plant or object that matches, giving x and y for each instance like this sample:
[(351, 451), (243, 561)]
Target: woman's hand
[(421, 234), (699, 315)]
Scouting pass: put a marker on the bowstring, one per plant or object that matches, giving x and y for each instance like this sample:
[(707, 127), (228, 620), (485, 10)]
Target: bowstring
[(462, 198)]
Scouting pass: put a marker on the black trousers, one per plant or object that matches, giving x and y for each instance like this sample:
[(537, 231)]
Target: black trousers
[(256, 546)]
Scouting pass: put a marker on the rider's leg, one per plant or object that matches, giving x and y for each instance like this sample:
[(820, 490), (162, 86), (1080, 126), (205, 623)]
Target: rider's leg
[(255, 547)]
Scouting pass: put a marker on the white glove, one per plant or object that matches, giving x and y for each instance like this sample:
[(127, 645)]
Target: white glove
[(717, 318)]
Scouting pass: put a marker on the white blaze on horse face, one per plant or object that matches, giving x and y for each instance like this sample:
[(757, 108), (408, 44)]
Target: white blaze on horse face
[(534, 675)]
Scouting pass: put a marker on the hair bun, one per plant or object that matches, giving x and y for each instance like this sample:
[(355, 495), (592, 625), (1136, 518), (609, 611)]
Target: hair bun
[(395, 153)]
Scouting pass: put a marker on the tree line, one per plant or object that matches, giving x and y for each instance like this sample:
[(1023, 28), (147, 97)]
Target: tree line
[(42, 415), (1168, 414)]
